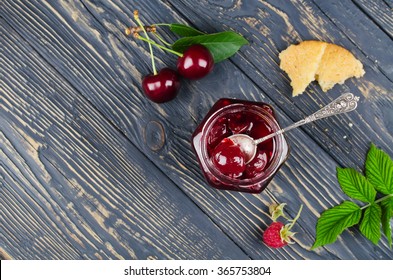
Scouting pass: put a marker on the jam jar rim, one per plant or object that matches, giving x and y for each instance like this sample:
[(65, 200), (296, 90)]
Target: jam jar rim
[(274, 165)]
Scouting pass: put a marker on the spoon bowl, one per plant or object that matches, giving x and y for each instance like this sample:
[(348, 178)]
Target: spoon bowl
[(247, 145)]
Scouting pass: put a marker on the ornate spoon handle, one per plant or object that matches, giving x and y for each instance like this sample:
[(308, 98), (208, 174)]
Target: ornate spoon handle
[(343, 104)]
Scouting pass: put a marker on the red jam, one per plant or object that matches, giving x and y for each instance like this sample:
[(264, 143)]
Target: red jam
[(222, 161)]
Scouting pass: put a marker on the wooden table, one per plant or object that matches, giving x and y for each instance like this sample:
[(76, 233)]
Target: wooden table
[(91, 169)]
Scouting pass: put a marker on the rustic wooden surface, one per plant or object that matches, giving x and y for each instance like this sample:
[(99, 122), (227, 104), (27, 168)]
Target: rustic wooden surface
[(90, 169)]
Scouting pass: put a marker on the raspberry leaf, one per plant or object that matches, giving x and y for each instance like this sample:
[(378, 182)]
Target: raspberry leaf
[(334, 221), (222, 45), (184, 30), (387, 213), (379, 170), (355, 185), (371, 223)]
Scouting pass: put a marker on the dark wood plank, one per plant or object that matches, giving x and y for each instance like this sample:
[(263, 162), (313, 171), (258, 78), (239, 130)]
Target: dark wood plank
[(380, 11), (73, 187), (28, 228), (109, 73)]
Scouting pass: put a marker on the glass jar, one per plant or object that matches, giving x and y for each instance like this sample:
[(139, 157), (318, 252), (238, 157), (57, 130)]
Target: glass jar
[(231, 116)]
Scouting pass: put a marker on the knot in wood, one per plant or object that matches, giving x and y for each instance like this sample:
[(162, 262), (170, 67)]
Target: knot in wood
[(154, 135)]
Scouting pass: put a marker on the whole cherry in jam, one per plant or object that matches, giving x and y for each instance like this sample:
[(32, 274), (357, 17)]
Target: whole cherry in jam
[(260, 129), (161, 87), (228, 158), (219, 131), (258, 164), (239, 123), (196, 62)]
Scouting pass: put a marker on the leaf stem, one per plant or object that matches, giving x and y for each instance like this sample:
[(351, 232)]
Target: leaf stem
[(377, 201), (162, 24), (153, 64), (384, 198), (159, 46), (365, 206)]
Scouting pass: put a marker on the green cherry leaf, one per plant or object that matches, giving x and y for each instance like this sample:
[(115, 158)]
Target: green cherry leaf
[(379, 170), (387, 213), (221, 45), (355, 185), (184, 30), (334, 221), (370, 225)]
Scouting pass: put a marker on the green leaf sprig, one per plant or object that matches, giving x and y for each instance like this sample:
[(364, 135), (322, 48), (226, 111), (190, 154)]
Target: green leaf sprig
[(184, 30), (376, 211), (221, 45)]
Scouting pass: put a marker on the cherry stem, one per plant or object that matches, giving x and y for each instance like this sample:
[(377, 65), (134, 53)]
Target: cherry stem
[(159, 46), (162, 39), (132, 29), (153, 64), (297, 217)]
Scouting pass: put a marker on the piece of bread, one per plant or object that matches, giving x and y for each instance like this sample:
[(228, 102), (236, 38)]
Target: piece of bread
[(329, 64), (301, 62), (336, 66)]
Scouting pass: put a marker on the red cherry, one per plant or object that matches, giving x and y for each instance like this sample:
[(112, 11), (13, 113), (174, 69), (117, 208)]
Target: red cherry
[(196, 62), (229, 159), (218, 132), (162, 87), (258, 164), (260, 129), (239, 123)]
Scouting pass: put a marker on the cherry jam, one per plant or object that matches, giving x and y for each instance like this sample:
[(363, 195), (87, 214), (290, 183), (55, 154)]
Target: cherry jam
[(221, 160)]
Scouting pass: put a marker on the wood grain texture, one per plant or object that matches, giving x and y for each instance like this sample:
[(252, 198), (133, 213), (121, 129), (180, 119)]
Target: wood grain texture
[(73, 187), (380, 11), (84, 42)]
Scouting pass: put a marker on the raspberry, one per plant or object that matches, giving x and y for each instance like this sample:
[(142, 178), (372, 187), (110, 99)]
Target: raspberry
[(272, 235), (278, 235)]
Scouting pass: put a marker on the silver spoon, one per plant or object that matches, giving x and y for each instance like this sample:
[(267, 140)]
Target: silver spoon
[(344, 104)]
